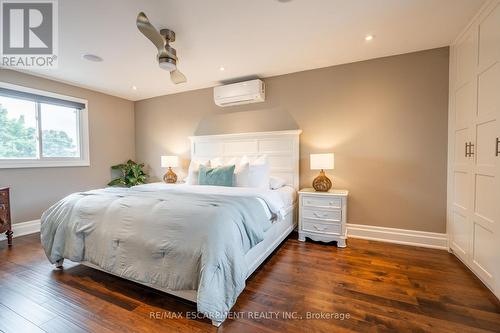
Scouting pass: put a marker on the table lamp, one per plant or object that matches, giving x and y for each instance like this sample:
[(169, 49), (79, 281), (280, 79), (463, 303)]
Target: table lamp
[(169, 162), (322, 162)]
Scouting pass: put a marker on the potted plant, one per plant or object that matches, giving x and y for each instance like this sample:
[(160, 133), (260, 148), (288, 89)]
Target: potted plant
[(132, 174)]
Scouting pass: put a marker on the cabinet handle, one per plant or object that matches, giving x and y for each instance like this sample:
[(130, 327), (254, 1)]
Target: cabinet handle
[(320, 215), (466, 149), (318, 228), (471, 151), (497, 150)]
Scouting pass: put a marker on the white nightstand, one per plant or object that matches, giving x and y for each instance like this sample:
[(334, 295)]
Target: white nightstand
[(323, 215)]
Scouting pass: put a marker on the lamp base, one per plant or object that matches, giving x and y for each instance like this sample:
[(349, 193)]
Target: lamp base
[(170, 177), (322, 183)]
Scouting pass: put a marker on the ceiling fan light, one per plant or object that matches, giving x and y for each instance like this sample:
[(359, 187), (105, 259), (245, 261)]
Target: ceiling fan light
[(167, 65)]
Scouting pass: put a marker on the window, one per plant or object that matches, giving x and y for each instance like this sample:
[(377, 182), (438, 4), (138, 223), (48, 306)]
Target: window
[(41, 129)]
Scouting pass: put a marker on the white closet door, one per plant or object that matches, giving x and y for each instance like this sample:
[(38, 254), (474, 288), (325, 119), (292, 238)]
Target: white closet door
[(474, 191), (485, 233), (464, 101)]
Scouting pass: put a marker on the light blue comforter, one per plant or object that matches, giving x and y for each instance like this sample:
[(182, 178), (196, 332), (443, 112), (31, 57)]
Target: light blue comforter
[(174, 239)]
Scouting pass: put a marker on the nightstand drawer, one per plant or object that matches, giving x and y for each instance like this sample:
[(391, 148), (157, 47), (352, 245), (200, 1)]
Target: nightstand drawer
[(332, 215), (314, 201), (321, 227)]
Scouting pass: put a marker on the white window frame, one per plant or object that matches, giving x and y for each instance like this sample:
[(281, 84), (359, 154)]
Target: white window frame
[(49, 162)]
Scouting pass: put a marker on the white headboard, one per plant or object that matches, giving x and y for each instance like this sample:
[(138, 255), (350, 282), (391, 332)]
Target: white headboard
[(281, 148)]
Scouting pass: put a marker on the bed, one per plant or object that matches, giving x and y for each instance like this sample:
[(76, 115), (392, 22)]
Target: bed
[(196, 242)]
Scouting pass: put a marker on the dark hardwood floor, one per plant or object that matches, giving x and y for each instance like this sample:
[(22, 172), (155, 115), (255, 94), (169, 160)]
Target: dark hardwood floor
[(367, 287)]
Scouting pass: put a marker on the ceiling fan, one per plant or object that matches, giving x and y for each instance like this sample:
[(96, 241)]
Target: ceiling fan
[(167, 56)]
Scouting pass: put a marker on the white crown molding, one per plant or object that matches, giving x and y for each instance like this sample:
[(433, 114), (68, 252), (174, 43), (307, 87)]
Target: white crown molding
[(245, 135), (23, 228), (399, 236)]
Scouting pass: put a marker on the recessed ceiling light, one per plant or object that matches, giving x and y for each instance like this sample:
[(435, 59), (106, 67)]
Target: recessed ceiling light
[(134, 88), (222, 69), (369, 38), (92, 57)]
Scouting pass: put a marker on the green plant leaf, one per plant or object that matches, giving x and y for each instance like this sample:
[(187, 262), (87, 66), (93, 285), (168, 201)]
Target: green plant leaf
[(117, 181), (132, 174), (135, 171), (119, 167)]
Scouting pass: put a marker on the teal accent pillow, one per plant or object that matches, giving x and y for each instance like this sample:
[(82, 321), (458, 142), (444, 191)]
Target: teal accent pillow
[(220, 176)]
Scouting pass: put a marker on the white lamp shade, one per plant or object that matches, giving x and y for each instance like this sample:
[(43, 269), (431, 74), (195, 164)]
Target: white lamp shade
[(169, 161), (322, 161)]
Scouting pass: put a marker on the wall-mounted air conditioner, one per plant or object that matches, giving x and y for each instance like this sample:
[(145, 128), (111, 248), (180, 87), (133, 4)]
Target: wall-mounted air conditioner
[(247, 92)]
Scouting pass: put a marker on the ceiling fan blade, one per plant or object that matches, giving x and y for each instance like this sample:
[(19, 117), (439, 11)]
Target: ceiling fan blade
[(177, 77), (165, 51), (148, 30)]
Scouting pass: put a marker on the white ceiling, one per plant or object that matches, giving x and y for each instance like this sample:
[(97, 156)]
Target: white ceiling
[(248, 38)]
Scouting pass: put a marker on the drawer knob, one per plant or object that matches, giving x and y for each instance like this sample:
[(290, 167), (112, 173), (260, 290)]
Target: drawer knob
[(331, 203), (319, 228)]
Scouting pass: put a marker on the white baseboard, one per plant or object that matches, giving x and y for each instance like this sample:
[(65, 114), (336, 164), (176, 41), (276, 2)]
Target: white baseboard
[(399, 236), (391, 235), (23, 228)]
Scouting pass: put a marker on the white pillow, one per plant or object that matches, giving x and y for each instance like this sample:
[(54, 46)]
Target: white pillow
[(234, 161), (258, 172), (240, 169), (241, 174), (194, 170), (276, 182), (246, 174), (217, 162)]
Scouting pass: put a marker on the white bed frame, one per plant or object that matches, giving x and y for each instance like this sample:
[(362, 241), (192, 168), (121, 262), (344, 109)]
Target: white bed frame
[(282, 150)]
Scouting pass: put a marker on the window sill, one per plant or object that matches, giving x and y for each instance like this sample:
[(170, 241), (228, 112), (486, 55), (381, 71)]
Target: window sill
[(17, 164)]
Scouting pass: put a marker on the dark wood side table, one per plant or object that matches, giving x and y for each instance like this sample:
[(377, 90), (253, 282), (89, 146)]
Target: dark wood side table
[(5, 222)]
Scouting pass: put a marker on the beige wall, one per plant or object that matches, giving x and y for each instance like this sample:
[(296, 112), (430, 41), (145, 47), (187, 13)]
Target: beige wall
[(111, 126), (385, 119)]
